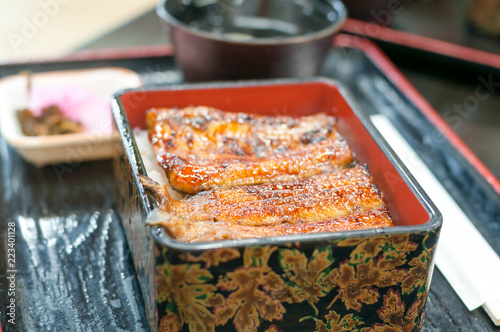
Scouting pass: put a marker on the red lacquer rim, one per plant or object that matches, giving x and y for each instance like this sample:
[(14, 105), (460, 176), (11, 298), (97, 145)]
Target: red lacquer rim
[(397, 78), (427, 44)]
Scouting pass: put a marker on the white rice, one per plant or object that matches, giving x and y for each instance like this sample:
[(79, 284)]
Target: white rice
[(154, 170)]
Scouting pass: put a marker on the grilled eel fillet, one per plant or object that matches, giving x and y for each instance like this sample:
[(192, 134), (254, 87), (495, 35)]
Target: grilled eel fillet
[(202, 148), (185, 230), (323, 202)]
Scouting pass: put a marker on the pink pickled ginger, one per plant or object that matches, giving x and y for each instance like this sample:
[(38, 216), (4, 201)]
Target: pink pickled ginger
[(77, 102)]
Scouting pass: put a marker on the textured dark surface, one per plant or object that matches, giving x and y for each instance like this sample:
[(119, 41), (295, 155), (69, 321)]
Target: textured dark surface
[(74, 270), (74, 267)]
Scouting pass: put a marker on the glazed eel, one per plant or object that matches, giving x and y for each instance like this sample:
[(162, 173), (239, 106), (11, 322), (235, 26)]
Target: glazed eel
[(326, 202), (201, 148)]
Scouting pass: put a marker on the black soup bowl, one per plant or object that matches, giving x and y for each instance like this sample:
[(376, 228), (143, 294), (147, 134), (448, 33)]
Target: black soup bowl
[(251, 39)]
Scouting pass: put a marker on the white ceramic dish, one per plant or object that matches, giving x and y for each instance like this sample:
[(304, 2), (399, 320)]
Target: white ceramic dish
[(69, 148)]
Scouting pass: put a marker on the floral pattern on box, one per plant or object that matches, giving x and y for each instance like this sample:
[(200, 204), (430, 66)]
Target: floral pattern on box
[(381, 285)]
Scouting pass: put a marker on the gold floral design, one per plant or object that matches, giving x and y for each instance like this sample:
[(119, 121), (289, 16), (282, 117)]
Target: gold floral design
[(308, 280), (355, 289), (337, 323), (188, 296), (169, 322), (214, 257), (372, 265), (255, 291), (393, 314), (390, 246), (377, 272), (273, 328), (418, 274)]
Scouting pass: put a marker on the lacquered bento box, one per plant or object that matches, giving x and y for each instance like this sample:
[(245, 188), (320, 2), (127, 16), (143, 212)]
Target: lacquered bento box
[(364, 280)]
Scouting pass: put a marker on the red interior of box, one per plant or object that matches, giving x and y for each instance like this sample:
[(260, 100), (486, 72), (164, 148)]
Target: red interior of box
[(294, 99)]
